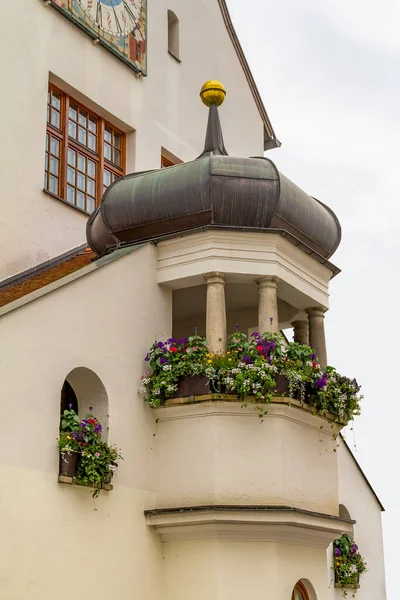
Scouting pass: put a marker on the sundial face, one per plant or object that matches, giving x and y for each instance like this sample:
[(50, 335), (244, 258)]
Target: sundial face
[(119, 25)]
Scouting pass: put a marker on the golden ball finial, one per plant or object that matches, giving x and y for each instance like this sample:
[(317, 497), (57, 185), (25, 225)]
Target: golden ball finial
[(212, 92)]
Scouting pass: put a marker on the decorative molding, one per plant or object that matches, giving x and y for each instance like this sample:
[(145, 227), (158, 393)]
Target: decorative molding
[(250, 523), (230, 405), (245, 256)]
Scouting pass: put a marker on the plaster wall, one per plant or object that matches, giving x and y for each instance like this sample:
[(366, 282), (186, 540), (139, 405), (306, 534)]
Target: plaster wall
[(235, 568), (222, 454), (54, 537), (161, 110), (363, 507)]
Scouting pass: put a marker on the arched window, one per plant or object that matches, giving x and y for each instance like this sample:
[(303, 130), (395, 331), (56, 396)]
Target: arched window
[(300, 592), (84, 390), (173, 34)]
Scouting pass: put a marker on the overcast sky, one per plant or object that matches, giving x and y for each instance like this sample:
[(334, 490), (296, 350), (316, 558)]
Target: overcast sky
[(328, 73)]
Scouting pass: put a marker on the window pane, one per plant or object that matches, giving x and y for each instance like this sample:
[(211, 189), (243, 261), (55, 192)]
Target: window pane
[(91, 187), (81, 181), (53, 165), (55, 147), (53, 184), (117, 140), (70, 194), (72, 129), (90, 204), (48, 114), (108, 134), (106, 178), (82, 135), (47, 142), (92, 141), (91, 169), (80, 200), (55, 118), (82, 163), (92, 124), (117, 157), (71, 175), (107, 151), (71, 157), (83, 117), (46, 162), (73, 112), (56, 100)]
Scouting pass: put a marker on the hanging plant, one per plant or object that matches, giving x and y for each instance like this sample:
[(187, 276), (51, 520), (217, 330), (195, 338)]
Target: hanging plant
[(348, 564)]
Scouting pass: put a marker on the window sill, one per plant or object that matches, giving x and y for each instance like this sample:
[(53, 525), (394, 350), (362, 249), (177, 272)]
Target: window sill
[(178, 60), (72, 481), (55, 197), (347, 586)]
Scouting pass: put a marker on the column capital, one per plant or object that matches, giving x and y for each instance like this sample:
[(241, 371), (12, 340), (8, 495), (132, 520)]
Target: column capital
[(267, 281), (215, 277), (316, 311)]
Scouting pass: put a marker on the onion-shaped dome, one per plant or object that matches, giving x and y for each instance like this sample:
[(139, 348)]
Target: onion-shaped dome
[(215, 190)]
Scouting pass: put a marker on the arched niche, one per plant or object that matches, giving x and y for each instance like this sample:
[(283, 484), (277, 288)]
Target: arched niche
[(173, 34), (84, 389)]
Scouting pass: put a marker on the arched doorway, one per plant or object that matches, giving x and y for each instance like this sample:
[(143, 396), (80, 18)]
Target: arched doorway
[(300, 592)]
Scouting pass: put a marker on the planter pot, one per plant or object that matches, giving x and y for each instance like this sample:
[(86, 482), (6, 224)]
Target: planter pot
[(281, 385), (108, 477), (198, 385), (349, 586), (69, 463)]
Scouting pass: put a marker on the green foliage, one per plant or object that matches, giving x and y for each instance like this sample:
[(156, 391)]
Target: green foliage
[(97, 459), (69, 420), (97, 462), (348, 563), (249, 368)]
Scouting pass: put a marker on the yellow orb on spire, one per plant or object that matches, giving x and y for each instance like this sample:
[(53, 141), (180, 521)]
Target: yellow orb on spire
[(212, 92)]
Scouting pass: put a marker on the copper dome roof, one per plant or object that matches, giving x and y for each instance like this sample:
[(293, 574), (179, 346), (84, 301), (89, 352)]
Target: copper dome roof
[(215, 190)]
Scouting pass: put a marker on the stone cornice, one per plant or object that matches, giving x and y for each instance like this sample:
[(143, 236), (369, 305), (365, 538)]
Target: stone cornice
[(230, 405), (254, 523)]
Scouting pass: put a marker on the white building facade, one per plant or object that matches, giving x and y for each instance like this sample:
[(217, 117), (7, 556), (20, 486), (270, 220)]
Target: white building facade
[(208, 502)]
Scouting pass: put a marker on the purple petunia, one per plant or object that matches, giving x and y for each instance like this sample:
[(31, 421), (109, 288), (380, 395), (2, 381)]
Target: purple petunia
[(354, 549), (337, 552), (163, 360), (321, 382), (246, 360), (69, 406), (147, 357), (313, 356)]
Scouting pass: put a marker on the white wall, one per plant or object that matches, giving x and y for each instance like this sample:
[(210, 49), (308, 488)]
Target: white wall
[(164, 109), (55, 540), (362, 506)]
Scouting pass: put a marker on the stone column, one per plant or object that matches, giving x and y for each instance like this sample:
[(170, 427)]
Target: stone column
[(301, 335), (317, 333), (216, 312), (267, 305)]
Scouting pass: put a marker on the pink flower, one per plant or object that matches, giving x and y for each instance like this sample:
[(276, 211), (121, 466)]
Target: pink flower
[(97, 454)]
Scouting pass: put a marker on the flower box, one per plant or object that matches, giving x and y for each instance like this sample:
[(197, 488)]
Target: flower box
[(281, 385), (69, 463), (197, 385), (347, 586)]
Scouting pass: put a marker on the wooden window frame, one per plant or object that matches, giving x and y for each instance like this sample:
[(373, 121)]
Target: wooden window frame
[(97, 156), (300, 587)]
